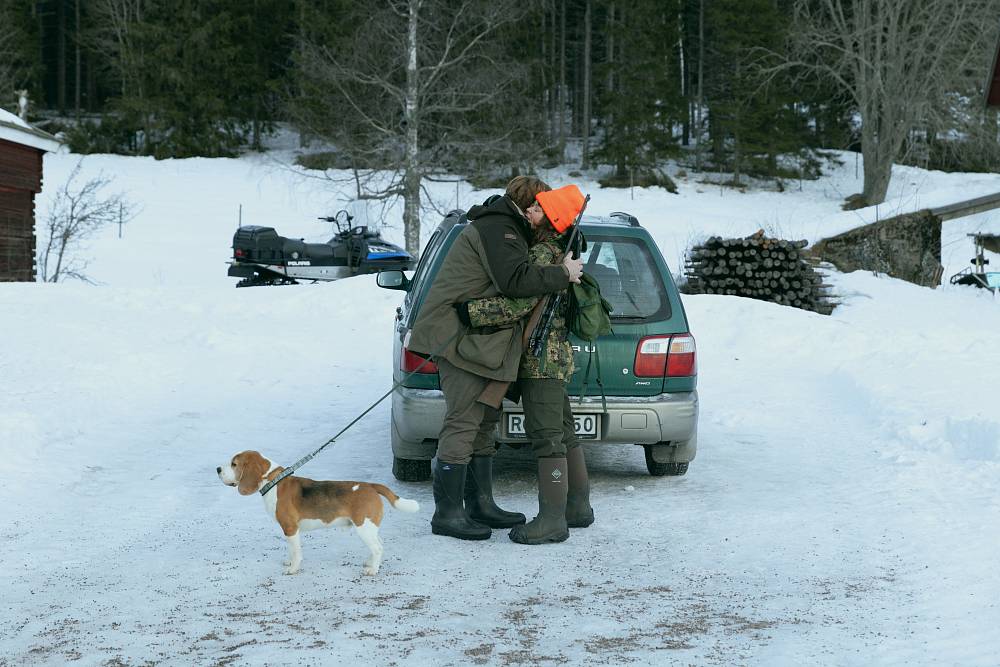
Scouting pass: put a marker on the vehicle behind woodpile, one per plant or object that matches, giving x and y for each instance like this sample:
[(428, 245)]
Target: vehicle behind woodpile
[(977, 275)]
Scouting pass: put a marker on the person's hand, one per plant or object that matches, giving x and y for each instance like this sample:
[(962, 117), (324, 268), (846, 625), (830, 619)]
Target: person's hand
[(574, 268)]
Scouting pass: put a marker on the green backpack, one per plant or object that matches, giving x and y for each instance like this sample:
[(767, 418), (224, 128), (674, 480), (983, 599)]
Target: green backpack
[(588, 315)]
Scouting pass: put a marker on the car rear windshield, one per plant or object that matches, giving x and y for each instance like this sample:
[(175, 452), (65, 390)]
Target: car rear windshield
[(628, 277)]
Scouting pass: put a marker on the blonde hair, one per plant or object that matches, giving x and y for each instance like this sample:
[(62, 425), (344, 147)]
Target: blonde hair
[(523, 189)]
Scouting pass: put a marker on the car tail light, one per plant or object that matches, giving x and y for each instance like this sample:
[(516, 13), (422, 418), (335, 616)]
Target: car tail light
[(238, 252), (666, 356), (410, 363)]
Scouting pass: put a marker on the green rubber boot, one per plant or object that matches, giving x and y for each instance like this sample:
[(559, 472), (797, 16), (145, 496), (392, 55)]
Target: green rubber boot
[(579, 513), (450, 517), (550, 524), (479, 502)]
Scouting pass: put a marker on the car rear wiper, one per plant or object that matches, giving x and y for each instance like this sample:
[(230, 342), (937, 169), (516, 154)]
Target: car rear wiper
[(631, 298)]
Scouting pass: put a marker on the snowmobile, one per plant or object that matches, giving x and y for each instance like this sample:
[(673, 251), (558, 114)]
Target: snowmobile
[(261, 257), (977, 274)]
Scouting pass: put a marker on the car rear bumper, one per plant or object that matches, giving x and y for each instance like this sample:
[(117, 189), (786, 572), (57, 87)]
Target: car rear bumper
[(417, 415)]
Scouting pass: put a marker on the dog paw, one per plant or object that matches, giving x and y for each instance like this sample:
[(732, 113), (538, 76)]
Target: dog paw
[(291, 570), (369, 570)]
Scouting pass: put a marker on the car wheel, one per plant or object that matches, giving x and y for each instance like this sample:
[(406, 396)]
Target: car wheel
[(672, 469), (411, 470)]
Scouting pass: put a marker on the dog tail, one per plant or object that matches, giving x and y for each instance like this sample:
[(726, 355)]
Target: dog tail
[(401, 504)]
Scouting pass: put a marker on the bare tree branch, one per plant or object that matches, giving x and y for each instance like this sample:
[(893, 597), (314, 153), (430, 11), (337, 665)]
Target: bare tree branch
[(419, 99), (77, 213), (897, 60)]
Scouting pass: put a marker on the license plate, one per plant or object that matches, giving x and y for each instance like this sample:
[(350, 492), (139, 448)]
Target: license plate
[(587, 426)]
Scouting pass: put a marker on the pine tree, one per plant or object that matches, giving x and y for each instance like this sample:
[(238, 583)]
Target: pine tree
[(751, 123), (641, 98), (20, 55)]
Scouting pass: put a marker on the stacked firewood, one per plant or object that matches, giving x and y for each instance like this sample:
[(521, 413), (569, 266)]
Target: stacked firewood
[(760, 268)]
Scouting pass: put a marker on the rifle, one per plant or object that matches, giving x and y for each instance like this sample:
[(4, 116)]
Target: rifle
[(539, 324)]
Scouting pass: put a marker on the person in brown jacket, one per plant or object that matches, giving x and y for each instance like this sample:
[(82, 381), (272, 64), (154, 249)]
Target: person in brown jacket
[(563, 483), (489, 258)]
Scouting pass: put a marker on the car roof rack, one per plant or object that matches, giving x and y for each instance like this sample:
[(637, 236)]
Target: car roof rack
[(615, 218), (454, 217)]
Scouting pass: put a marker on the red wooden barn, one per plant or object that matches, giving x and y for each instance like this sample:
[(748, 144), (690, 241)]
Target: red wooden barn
[(21, 149)]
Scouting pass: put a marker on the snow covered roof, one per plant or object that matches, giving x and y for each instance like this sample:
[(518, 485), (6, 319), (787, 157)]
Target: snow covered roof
[(13, 129)]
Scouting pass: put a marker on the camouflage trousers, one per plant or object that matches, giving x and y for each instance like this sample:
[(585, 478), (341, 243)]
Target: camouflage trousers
[(548, 418)]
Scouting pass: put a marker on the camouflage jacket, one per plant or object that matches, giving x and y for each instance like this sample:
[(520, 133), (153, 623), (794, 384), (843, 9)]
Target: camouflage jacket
[(501, 310)]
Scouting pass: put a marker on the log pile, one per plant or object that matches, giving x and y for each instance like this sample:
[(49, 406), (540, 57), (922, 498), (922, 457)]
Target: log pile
[(759, 268)]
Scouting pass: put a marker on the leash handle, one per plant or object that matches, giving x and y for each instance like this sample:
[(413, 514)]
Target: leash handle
[(308, 457)]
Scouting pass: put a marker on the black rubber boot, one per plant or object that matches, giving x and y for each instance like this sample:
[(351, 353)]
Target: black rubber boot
[(450, 517), (579, 513), (479, 501), (550, 524)]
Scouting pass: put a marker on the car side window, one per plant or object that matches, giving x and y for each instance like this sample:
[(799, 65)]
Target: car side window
[(438, 244), (421, 270)]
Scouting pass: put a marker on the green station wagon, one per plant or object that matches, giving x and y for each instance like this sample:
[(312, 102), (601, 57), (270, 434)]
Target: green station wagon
[(648, 365)]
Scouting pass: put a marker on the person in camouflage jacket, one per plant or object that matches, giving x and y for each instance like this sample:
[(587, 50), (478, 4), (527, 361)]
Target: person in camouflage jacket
[(556, 362), (563, 484)]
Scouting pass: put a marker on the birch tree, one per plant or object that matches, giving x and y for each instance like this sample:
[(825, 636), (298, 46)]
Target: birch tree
[(897, 61), (409, 90)]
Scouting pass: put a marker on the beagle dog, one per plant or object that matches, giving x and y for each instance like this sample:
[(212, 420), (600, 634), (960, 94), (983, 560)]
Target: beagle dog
[(298, 504)]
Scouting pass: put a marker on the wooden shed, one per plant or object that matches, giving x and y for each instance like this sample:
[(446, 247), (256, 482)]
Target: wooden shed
[(21, 150)]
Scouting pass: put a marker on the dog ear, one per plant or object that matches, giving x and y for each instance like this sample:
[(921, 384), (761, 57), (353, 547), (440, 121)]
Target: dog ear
[(253, 466)]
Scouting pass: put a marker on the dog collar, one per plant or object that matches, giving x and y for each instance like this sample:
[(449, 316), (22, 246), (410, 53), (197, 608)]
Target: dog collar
[(269, 484)]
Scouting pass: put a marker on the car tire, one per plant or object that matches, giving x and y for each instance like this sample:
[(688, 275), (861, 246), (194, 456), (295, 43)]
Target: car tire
[(672, 469), (411, 470)]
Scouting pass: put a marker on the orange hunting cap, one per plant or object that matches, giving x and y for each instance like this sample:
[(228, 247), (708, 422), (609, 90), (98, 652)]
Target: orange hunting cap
[(561, 206)]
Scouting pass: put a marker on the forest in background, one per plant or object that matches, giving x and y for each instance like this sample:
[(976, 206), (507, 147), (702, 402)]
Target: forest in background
[(486, 88)]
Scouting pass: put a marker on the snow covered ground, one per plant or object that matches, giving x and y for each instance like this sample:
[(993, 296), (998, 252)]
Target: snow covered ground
[(844, 507)]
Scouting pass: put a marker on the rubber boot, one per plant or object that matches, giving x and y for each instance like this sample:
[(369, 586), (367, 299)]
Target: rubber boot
[(450, 517), (550, 524), (579, 513), (479, 501)]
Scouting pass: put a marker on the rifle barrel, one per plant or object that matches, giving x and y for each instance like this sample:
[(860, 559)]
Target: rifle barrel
[(544, 326)]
